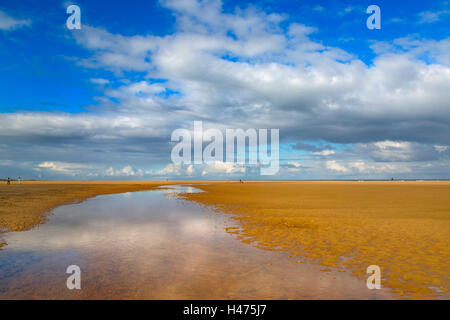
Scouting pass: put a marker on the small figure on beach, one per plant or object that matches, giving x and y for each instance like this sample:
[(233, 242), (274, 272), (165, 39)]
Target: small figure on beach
[(240, 181), (9, 181), (19, 180)]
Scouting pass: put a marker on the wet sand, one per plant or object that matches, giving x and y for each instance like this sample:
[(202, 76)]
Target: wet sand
[(23, 206), (150, 245), (335, 228), (403, 227)]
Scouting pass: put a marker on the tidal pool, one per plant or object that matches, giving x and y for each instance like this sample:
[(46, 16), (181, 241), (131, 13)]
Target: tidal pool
[(152, 245)]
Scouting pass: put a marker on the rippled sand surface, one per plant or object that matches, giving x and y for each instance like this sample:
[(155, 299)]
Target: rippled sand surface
[(151, 245), (403, 227)]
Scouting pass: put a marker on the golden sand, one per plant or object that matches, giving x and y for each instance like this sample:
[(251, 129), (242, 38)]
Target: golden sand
[(403, 227)]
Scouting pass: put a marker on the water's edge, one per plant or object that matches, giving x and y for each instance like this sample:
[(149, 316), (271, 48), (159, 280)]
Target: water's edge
[(150, 245)]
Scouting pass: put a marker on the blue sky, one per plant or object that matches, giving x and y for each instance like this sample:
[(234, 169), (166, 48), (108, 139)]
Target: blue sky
[(101, 102)]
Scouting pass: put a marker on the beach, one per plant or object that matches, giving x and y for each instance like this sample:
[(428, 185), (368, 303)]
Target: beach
[(401, 226)]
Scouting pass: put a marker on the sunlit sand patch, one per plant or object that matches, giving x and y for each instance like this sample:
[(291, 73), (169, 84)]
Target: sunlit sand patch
[(404, 227)]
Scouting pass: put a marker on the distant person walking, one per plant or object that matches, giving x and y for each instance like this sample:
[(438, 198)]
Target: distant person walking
[(19, 180), (9, 180)]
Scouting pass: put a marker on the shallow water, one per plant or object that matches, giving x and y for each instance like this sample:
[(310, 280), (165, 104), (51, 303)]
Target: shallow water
[(151, 245)]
